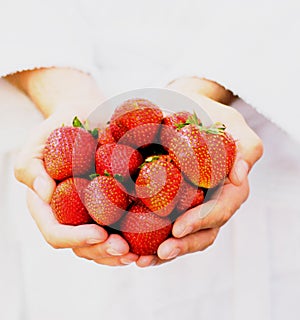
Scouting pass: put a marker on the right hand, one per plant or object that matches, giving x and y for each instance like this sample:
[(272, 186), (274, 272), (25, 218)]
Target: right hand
[(89, 241), (198, 228)]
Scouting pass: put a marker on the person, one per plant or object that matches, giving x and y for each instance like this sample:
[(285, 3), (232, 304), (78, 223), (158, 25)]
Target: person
[(30, 170), (58, 92)]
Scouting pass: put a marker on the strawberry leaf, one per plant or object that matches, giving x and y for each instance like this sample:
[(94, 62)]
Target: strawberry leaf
[(216, 128), (180, 125), (119, 177), (86, 126), (77, 123), (107, 174), (94, 175), (152, 158), (193, 119), (94, 133)]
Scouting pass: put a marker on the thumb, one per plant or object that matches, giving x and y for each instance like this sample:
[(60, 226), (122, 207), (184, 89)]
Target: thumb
[(239, 171), (29, 165), (30, 170)]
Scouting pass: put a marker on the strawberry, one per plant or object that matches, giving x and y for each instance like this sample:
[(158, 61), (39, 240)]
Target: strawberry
[(190, 196), (117, 159), (144, 230), (173, 120), (171, 123), (158, 183), (69, 151), (105, 136), (136, 122), (105, 201), (205, 155), (66, 202)]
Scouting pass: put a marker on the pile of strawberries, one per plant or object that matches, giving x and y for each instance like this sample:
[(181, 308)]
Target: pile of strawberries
[(137, 175)]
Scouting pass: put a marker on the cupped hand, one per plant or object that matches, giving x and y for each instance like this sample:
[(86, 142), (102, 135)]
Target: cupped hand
[(198, 228), (89, 241), (60, 94)]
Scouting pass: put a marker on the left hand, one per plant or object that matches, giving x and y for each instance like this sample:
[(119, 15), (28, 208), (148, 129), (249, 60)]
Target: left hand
[(61, 94), (198, 228)]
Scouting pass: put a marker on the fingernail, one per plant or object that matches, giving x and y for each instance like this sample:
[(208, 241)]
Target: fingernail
[(95, 240), (153, 263), (173, 254), (126, 261), (241, 169), (114, 252), (183, 231)]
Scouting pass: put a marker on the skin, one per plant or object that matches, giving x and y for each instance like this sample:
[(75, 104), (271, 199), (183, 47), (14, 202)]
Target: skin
[(59, 94)]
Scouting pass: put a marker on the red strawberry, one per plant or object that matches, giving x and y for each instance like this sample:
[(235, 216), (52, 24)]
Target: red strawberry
[(105, 136), (136, 122), (171, 124), (105, 201), (173, 120), (66, 202), (205, 155), (144, 230), (117, 159), (190, 196), (158, 183), (69, 151)]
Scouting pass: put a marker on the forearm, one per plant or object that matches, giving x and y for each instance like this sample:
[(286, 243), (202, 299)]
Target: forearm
[(58, 89)]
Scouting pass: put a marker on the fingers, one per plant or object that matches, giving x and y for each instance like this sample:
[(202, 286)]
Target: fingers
[(249, 144), (239, 171), (113, 252), (199, 241), (87, 241), (29, 166), (58, 235), (115, 245), (32, 173), (147, 261), (150, 261), (214, 213), (172, 248), (118, 261)]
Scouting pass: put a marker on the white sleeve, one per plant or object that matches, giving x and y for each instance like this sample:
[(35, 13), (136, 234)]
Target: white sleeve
[(37, 34)]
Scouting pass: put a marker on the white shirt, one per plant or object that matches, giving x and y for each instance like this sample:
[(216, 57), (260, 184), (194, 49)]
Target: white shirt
[(253, 270)]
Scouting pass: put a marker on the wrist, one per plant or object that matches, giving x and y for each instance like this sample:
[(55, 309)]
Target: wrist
[(59, 90), (204, 87)]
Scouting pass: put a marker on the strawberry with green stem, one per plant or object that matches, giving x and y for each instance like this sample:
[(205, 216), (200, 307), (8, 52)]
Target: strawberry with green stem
[(69, 151), (204, 154)]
